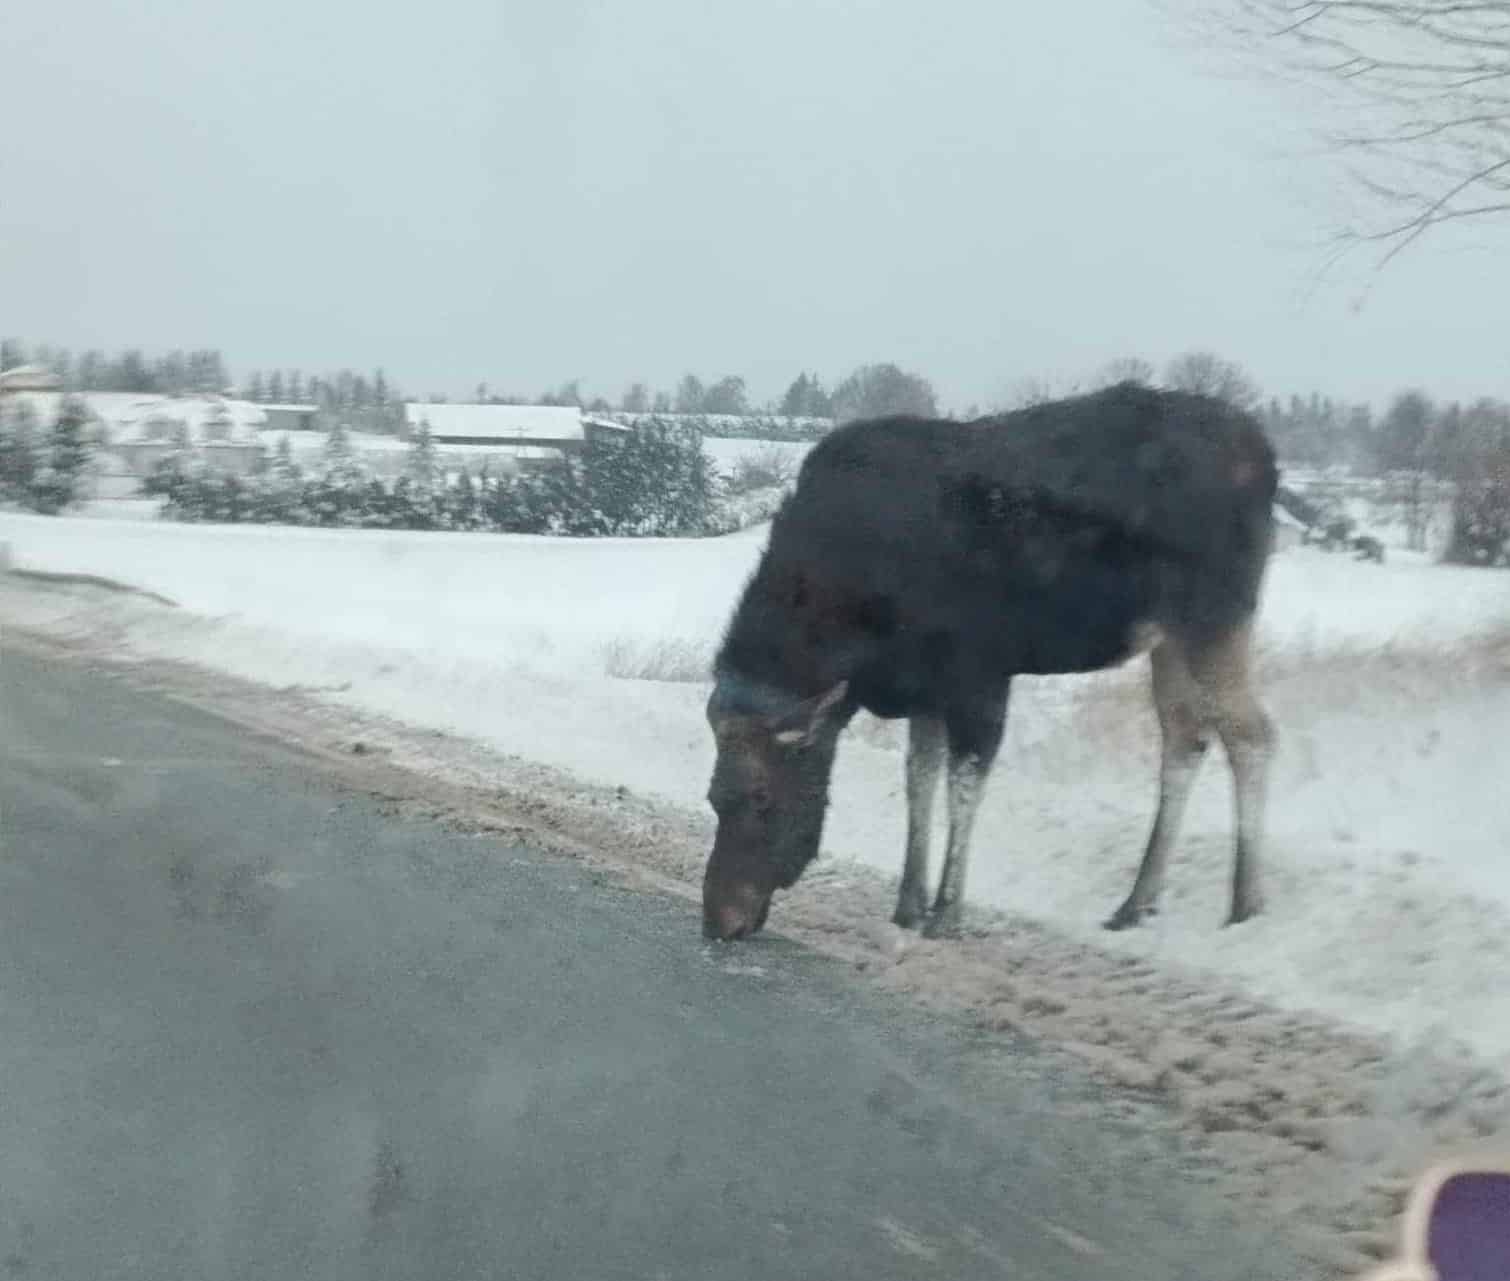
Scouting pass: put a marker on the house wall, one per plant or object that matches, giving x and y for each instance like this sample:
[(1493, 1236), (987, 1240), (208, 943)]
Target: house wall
[(282, 419), (140, 458)]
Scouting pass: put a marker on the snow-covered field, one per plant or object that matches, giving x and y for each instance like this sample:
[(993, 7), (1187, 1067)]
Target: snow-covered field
[(1389, 868)]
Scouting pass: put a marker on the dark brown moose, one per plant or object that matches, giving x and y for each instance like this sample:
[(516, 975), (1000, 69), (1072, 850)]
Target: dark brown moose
[(921, 564)]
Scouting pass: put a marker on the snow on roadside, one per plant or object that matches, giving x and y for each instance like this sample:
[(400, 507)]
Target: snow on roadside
[(1388, 883)]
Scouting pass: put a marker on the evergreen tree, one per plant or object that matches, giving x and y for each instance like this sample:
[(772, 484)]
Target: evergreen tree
[(339, 466), (275, 387), (47, 356), (690, 394), (1403, 435), (91, 371), (280, 487), (12, 353), (18, 453), (794, 402), (283, 466), (174, 373), (463, 502), (387, 408), (423, 465), (805, 398), (62, 478), (255, 391), (296, 387), (130, 373)]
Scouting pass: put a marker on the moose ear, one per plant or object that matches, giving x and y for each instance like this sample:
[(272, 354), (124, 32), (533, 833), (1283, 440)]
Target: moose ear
[(801, 725)]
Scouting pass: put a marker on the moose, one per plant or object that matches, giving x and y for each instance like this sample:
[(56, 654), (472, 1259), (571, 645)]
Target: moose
[(920, 564)]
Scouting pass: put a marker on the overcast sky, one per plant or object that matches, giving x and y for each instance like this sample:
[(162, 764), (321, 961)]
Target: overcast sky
[(466, 190)]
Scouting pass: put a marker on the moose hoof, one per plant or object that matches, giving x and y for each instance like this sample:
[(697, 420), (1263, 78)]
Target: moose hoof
[(1129, 916), (945, 923), (1245, 910), (912, 911)]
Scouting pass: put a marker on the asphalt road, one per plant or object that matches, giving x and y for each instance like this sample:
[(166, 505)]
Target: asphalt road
[(251, 1027)]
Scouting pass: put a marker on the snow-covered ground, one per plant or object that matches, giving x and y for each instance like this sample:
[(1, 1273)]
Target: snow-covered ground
[(1389, 867)]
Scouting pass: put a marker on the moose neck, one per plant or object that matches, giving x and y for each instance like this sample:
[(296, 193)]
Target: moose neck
[(791, 639)]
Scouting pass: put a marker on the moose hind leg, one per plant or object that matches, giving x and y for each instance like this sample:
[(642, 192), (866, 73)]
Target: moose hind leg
[(1248, 738), (926, 745), (1177, 699), (973, 742)]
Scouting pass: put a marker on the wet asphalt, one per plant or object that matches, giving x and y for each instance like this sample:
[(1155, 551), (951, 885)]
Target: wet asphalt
[(252, 1026)]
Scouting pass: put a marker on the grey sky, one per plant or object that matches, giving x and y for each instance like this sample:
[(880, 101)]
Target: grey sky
[(522, 193)]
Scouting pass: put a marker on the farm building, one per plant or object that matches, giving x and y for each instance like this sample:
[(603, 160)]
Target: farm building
[(28, 379), (142, 430), (289, 417), (530, 435), (134, 430)]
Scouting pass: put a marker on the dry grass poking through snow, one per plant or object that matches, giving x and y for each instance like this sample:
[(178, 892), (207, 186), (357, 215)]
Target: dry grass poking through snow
[(677, 661), (1113, 709)]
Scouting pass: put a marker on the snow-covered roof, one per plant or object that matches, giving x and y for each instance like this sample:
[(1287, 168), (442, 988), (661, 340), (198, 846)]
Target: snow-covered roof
[(289, 407), (208, 419), (502, 423), (29, 378), (551, 424)]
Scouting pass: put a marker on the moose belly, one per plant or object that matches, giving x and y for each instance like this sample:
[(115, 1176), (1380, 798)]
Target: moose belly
[(1063, 632)]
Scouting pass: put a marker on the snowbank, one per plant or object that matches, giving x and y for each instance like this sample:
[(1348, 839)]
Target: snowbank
[(1389, 885)]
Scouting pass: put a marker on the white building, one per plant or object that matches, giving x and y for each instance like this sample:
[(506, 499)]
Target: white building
[(132, 431), (531, 435)]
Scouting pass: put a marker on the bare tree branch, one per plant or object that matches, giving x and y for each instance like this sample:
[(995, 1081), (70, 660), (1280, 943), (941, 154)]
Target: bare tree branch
[(1424, 89)]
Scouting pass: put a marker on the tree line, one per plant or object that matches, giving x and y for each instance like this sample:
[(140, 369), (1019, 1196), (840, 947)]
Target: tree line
[(868, 391), (656, 481), (1418, 442), (175, 373), (372, 401)]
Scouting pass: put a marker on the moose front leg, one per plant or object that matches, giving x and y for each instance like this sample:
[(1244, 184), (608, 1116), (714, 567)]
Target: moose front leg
[(926, 744), (974, 738)]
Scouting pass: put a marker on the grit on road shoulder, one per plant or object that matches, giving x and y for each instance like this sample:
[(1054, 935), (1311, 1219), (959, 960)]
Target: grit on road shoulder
[(1308, 1125)]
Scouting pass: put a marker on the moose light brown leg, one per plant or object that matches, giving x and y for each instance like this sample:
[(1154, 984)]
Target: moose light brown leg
[(974, 737), (1247, 733), (1178, 701), (967, 777), (926, 743)]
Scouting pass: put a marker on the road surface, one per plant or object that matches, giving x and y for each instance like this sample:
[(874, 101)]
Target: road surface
[(251, 1027)]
